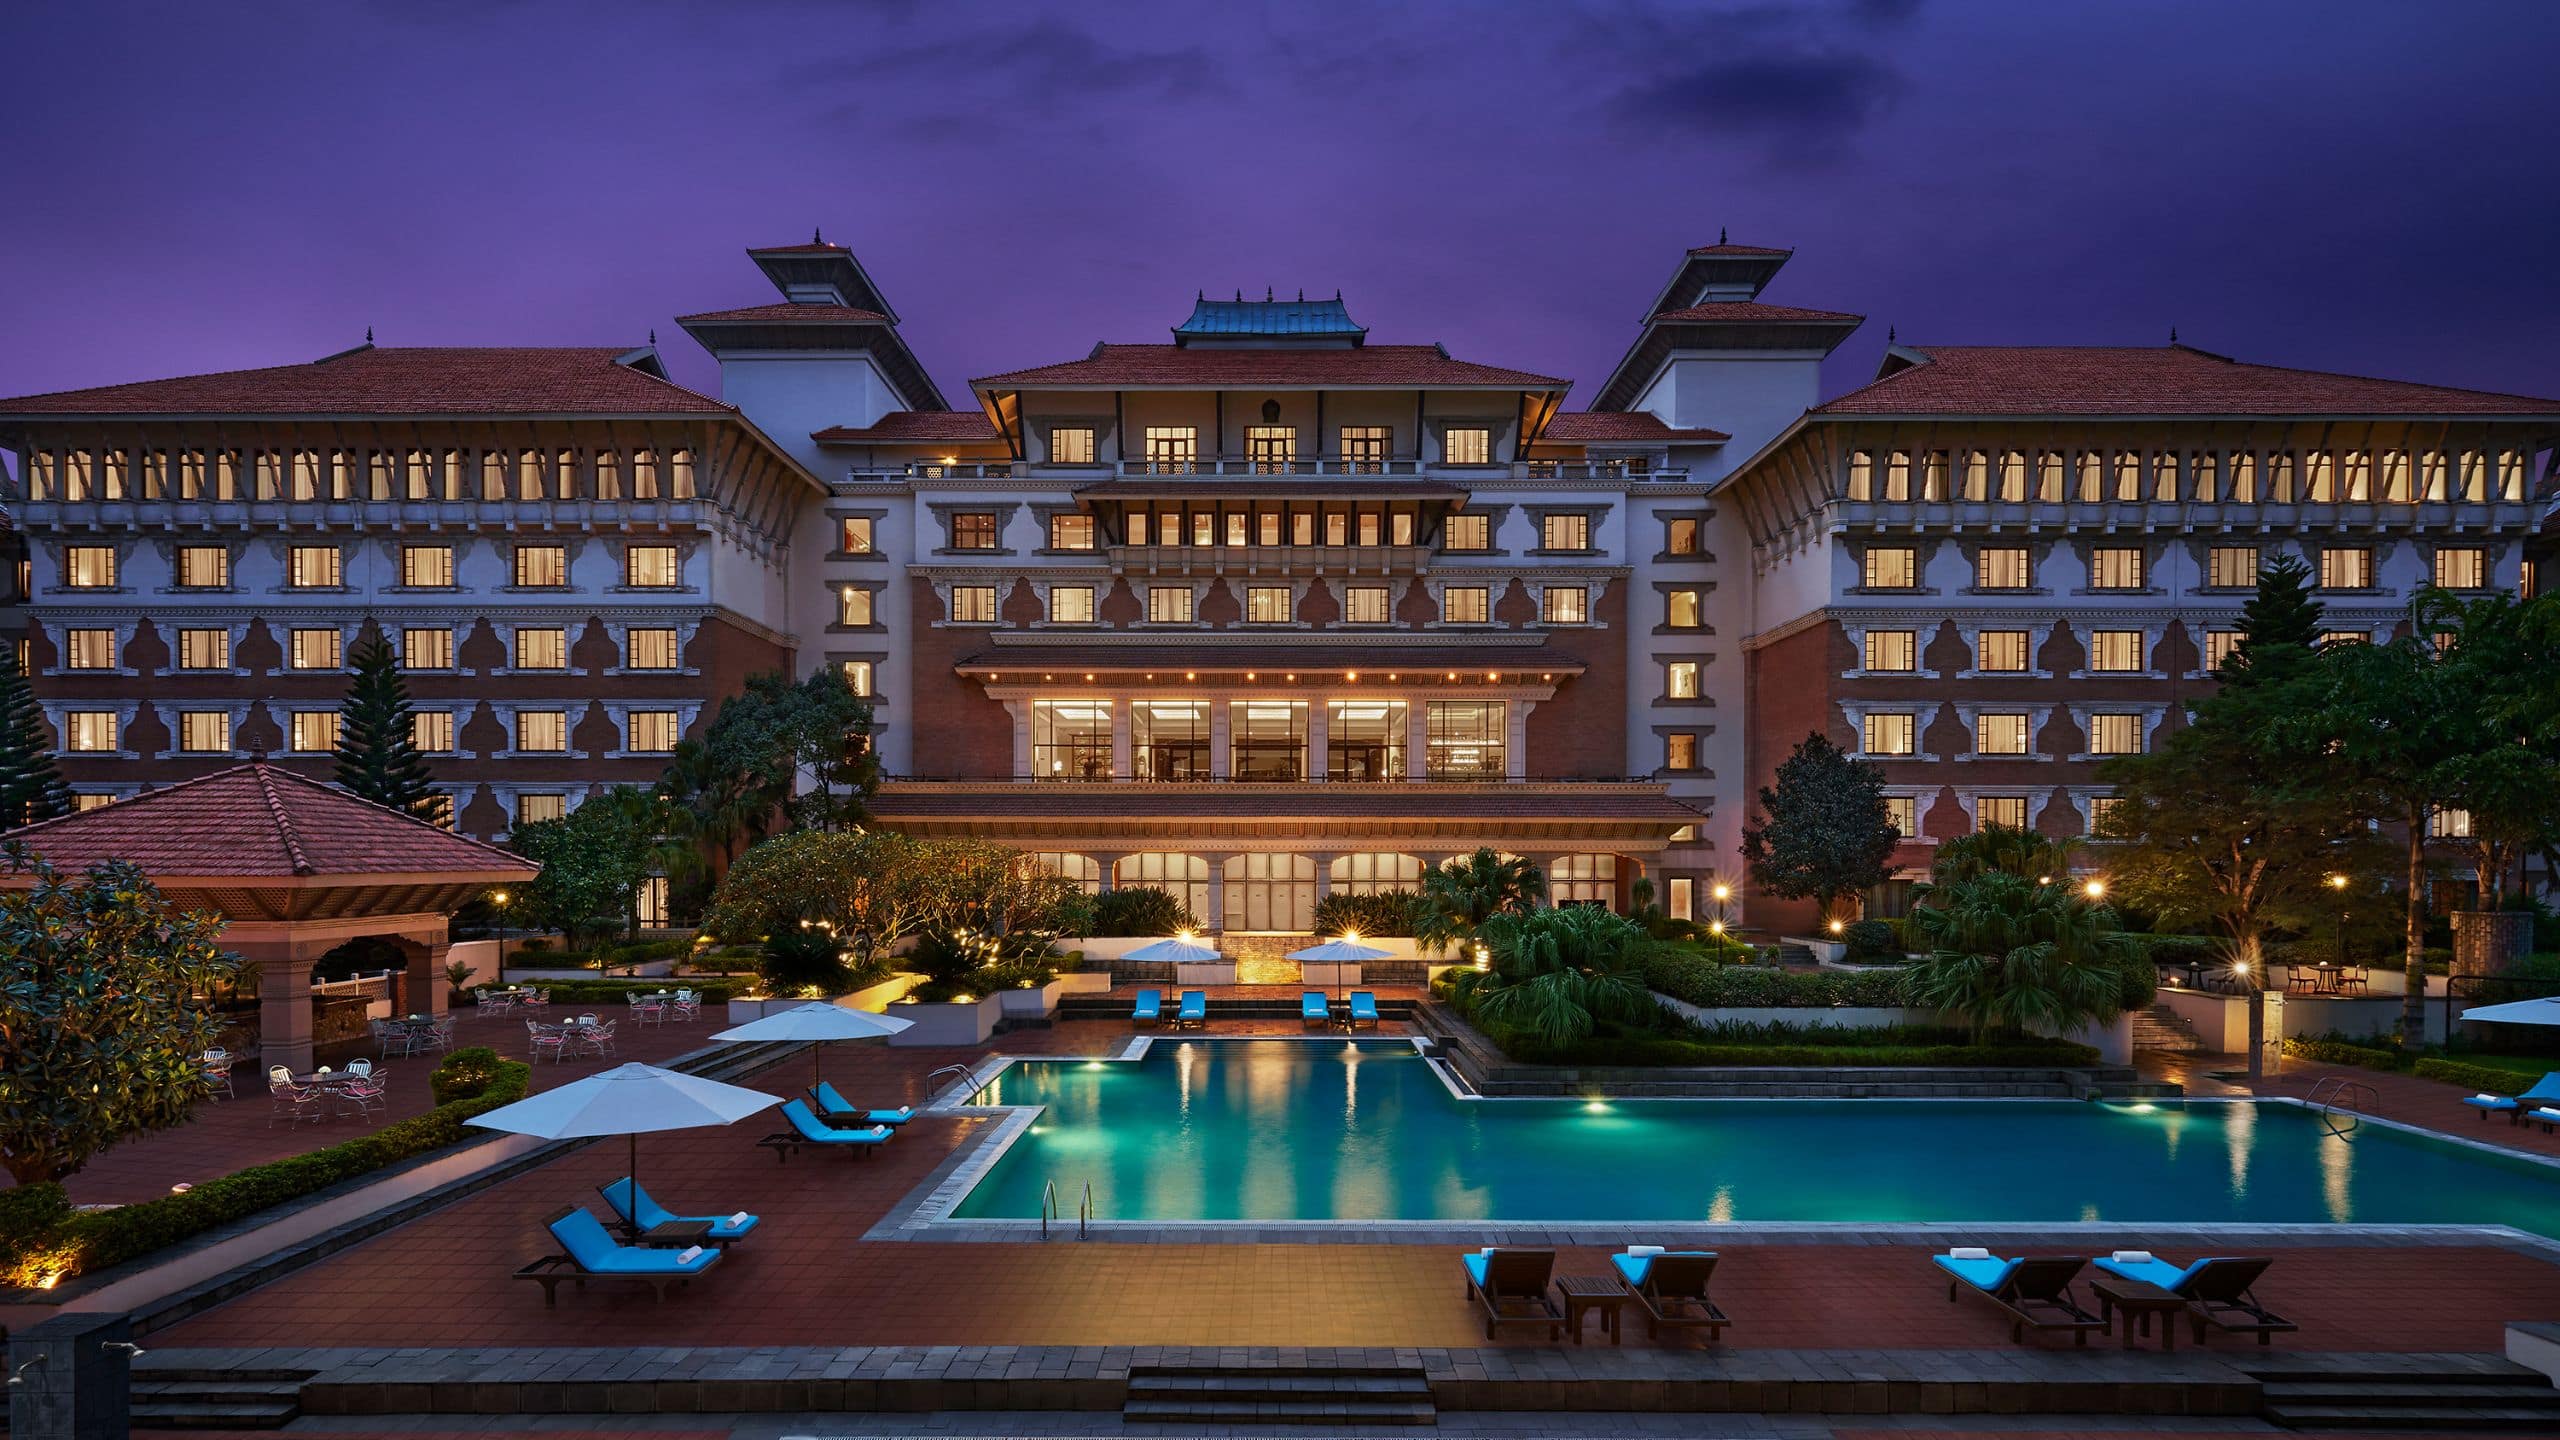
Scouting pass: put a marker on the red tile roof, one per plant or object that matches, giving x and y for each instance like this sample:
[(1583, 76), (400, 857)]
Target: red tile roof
[(915, 427), (788, 312), (257, 821), (1396, 365), (1624, 427), (2142, 380), (1752, 312), (1721, 248), (420, 380)]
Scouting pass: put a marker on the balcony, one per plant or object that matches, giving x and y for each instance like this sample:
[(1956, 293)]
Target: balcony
[(1221, 467), (1325, 815), (1273, 560)]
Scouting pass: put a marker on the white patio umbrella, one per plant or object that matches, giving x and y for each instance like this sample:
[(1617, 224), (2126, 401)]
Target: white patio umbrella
[(1341, 950), (627, 1100), (1179, 950), (816, 1022), (2545, 1011)]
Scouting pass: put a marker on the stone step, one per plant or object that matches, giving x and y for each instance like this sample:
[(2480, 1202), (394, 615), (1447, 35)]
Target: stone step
[(2360, 1419), (230, 1415), (2397, 1392), (1257, 1385), (1205, 1411)]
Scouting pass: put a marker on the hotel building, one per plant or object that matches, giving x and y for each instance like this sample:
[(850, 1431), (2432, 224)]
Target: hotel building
[(1258, 611)]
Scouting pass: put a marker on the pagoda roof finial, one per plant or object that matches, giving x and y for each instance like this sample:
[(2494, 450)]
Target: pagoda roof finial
[(368, 334), (2173, 334), (816, 237), (1720, 236), (1890, 335)]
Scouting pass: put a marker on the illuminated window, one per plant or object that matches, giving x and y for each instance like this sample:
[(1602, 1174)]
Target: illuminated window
[(431, 731), (1680, 680), (1267, 739), (2004, 810), (1892, 650), (2115, 567), (651, 567), (854, 606), (437, 810), (426, 649), (426, 566), (853, 535), (2001, 567), (313, 567), (1465, 738), (1237, 521), (1564, 532), (541, 567), (92, 732), (2346, 567), (1266, 604), (1565, 605), (1680, 751), (1337, 528), (2000, 734), (1902, 812), (2462, 567), (651, 649), (649, 902), (315, 732), (1070, 532), (2115, 650), (1468, 533), (202, 732), (1364, 448), (2104, 812), (2448, 823), (89, 567), (1071, 445), (653, 732), (2219, 645), (1465, 605), (1071, 605), (1271, 449), (315, 650), (1470, 446), (534, 809), (1204, 528), (1169, 604), (540, 648), (87, 800), (1368, 739), (1891, 734), (1364, 605), (2231, 567), (204, 649), (1891, 567), (2005, 651), (2346, 637), (1680, 537), (89, 649), (1172, 449), (973, 530), (973, 604), (544, 732), (1071, 739), (1267, 528), (2115, 734), (1683, 609), (858, 677)]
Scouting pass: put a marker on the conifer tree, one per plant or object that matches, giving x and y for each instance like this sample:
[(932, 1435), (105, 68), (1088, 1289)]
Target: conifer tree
[(377, 745), (2279, 626), (31, 788)]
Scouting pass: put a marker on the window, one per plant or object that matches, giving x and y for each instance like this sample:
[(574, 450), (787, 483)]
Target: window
[(1565, 605), (426, 649), (1892, 650), (1364, 449), (1271, 449), (426, 566), (92, 732), (2001, 567), (89, 649), (431, 731), (973, 604), (541, 567), (536, 808), (1465, 605), (1169, 739), (1070, 532), (204, 649), (1683, 609), (1468, 533), (651, 649), (1680, 751), (1680, 680), (1364, 605), (1268, 739), (1237, 520), (1172, 449), (2115, 650), (1266, 604), (437, 810), (1071, 605), (85, 801), (1269, 892), (1564, 532), (314, 650), (542, 731), (313, 567), (973, 530), (1071, 445), (539, 648), (1337, 528), (854, 535), (2115, 567), (2003, 733), (2231, 567), (2103, 813), (1169, 604), (2008, 811), (2346, 637), (649, 902), (2346, 567), (1902, 812), (1680, 537), (2219, 645), (2462, 567), (90, 567), (1071, 739), (202, 732), (651, 567), (653, 732), (2002, 651), (2115, 734), (2448, 823), (1472, 445), (854, 606), (1891, 734), (1464, 738), (1891, 567), (1204, 528), (315, 732), (1367, 739), (202, 567)]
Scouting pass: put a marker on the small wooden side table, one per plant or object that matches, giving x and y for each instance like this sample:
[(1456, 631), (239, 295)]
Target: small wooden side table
[(1584, 1293), (2140, 1300)]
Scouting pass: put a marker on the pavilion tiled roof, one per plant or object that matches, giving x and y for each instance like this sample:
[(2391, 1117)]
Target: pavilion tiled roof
[(915, 427), (1276, 368), (260, 822), (2143, 380), (1362, 653), (407, 380), (1624, 427), (1752, 312), (896, 802), (1722, 248), (788, 312)]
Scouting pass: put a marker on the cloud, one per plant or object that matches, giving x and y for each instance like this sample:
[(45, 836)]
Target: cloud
[(1801, 80), (979, 85), (1808, 98)]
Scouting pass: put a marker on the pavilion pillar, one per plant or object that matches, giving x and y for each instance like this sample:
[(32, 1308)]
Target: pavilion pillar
[(284, 999), (1216, 919), (1319, 740), (427, 954)]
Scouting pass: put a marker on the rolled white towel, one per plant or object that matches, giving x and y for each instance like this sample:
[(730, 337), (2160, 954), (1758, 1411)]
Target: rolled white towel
[(2131, 1257), (879, 1132), (741, 1218), (1968, 1252), (689, 1254), (1486, 1250), (2485, 1098), (1644, 1249)]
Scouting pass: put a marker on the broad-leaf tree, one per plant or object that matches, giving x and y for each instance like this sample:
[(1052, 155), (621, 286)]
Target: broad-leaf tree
[(377, 736), (2004, 952), (1556, 973), (1460, 896), (593, 860), (1824, 829), (103, 1015), (2502, 655), (31, 787)]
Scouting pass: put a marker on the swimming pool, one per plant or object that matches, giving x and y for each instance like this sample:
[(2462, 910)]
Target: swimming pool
[(1289, 1130)]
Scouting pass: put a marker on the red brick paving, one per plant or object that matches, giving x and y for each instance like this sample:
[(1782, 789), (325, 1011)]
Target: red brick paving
[(2428, 1104)]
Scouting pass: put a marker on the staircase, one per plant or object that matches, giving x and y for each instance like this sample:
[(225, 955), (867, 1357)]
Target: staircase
[(166, 1398), (2362, 1393), (2161, 1028), (1342, 1397)]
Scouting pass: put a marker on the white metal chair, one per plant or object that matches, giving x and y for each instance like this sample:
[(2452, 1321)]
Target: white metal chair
[(216, 1066), (547, 1037), (361, 1069), (688, 1006), (597, 1039), (295, 1103)]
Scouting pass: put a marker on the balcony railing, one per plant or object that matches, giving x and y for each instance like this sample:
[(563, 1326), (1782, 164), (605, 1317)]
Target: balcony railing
[(1645, 783), (1216, 467), (1270, 559)]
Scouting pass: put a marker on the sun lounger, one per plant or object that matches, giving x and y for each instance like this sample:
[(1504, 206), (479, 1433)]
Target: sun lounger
[(1364, 1009), (808, 1129), (2544, 1116), (1314, 1010), (1194, 1014), (1511, 1285), (2217, 1290), (833, 1108), (591, 1254), (2544, 1091), (661, 1226), (1672, 1288), (1149, 1011), (2036, 1291)]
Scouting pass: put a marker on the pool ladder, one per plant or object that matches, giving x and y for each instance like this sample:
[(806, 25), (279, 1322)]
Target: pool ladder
[(962, 1072), (1049, 1209), (2336, 1097)]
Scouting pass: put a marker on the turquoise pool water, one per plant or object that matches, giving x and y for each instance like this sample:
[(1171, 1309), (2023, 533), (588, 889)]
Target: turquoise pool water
[(1239, 1130)]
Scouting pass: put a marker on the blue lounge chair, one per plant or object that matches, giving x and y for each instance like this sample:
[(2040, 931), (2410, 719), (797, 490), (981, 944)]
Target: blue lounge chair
[(662, 1226), (1314, 1009), (1149, 1010), (2036, 1291), (591, 1254), (1511, 1287), (833, 1108), (1364, 1009), (1194, 1013), (1672, 1288), (2217, 1290), (808, 1129), (2545, 1091)]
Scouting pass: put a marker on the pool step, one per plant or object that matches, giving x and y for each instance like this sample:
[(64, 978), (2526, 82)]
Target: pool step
[(2412, 1397), (1241, 1395)]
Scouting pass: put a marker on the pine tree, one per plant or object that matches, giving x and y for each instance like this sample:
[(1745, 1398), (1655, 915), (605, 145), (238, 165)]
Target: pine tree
[(31, 789), (377, 745), (2279, 627)]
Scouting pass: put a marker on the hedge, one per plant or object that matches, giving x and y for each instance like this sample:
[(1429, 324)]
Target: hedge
[(1870, 939), (2485, 1079), (1388, 913), (1685, 973), (2340, 1052), (78, 1243)]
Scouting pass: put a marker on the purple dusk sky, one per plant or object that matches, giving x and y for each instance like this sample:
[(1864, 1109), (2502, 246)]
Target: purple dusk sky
[(2358, 186)]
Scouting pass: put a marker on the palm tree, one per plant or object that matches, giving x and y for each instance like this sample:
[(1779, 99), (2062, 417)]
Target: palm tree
[(2007, 952), (1557, 973), (1460, 896), (2004, 848)]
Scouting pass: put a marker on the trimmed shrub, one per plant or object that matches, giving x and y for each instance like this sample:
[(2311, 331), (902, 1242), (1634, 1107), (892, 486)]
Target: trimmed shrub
[(1813, 1046), (1140, 910), (798, 960), (466, 1074), (2332, 1051), (1687, 974), (1872, 940), (28, 1211), (2485, 1079), (1389, 912)]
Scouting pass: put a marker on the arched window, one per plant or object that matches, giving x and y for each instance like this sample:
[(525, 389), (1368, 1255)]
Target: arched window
[(1375, 873), (1583, 880), (1184, 877), (1271, 892), (1080, 868)]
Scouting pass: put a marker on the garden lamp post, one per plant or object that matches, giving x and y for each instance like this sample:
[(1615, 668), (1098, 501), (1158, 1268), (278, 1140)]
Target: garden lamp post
[(499, 899), (2247, 974), (2338, 886), (1724, 899)]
